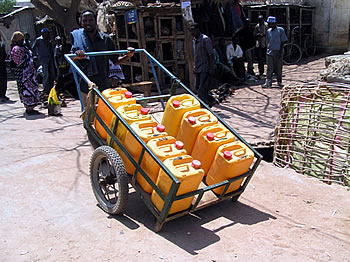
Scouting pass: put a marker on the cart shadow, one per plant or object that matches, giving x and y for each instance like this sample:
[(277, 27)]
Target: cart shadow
[(195, 231)]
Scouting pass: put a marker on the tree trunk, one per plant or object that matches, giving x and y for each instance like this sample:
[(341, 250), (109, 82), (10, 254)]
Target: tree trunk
[(69, 23), (66, 17)]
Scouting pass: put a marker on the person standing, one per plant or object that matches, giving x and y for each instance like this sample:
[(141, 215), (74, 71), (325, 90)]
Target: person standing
[(90, 39), (260, 37), (3, 73), (27, 41), (25, 73), (42, 47), (276, 38), (203, 67), (247, 43)]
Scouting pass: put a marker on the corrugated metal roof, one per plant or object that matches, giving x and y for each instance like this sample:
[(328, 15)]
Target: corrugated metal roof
[(149, 6), (278, 5), (16, 11)]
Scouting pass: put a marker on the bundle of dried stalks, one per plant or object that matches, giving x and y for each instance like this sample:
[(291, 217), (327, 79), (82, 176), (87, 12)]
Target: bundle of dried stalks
[(338, 70), (313, 133)]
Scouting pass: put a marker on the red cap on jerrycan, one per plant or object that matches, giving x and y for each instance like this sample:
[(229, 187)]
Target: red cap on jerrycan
[(160, 128), (127, 94), (192, 120), (176, 103), (210, 136), (227, 155), (144, 111), (196, 164), (179, 145)]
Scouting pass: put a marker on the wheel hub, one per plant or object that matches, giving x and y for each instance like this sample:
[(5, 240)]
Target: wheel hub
[(107, 174)]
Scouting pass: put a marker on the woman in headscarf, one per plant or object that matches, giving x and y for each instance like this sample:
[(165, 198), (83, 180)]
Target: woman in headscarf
[(25, 73)]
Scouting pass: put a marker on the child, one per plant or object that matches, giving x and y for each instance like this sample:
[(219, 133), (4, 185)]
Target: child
[(115, 74)]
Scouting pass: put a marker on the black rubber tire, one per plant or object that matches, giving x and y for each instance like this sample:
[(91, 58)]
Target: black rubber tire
[(291, 54), (107, 174), (309, 46)]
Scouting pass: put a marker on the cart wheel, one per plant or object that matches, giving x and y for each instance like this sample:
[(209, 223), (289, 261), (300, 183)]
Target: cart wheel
[(235, 198), (109, 180)]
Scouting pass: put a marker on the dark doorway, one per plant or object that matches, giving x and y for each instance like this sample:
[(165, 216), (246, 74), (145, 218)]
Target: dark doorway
[(267, 153)]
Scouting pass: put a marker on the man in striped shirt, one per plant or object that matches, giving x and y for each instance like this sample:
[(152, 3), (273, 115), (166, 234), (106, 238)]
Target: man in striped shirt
[(203, 63)]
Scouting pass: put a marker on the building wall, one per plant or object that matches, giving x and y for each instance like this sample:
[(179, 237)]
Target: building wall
[(331, 25), (22, 21)]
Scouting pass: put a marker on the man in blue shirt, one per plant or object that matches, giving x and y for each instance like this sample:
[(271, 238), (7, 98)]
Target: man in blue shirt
[(276, 38), (90, 39), (42, 48)]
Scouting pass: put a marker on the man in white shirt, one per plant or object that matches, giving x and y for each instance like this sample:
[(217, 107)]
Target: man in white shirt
[(235, 57)]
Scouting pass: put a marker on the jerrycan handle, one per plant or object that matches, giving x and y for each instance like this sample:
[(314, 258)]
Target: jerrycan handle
[(185, 101), (148, 130), (182, 168), (221, 134), (165, 148), (240, 152), (204, 118)]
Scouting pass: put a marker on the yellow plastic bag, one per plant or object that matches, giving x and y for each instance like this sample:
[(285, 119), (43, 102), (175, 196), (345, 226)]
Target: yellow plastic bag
[(53, 99)]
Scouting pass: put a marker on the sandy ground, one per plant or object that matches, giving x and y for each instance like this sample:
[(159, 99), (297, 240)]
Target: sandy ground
[(49, 213), (253, 108)]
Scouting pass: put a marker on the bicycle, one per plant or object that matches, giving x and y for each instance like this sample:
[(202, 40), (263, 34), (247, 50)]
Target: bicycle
[(292, 52)]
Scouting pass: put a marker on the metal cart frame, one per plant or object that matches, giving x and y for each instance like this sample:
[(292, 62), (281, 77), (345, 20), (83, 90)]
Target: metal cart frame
[(161, 216)]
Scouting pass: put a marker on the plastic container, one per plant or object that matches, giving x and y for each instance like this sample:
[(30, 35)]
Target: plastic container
[(110, 92), (231, 160), (192, 123), (175, 108), (208, 141), (116, 98), (190, 175), (163, 148), (146, 130), (131, 113)]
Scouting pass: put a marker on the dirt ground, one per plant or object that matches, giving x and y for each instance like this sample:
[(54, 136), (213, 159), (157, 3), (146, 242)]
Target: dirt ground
[(49, 213)]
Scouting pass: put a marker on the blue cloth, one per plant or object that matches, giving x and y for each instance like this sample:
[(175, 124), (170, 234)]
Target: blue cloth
[(43, 49), (81, 42), (45, 30), (97, 67), (232, 18), (275, 38)]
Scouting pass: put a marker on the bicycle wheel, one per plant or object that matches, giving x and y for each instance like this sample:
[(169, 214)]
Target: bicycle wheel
[(309, 46), (291, 54), (109, 180)]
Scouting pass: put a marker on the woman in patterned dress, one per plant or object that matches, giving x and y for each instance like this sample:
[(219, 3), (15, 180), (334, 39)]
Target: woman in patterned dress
[(25, 73)]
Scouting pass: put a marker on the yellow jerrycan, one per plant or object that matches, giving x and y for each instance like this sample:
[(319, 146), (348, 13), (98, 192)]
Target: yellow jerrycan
[(146, 130), (175, 108), (208, 141), (131, 113), (110, 92), (163, 148), (192, 123), (190, 175), (119, 98), (231, 160)]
